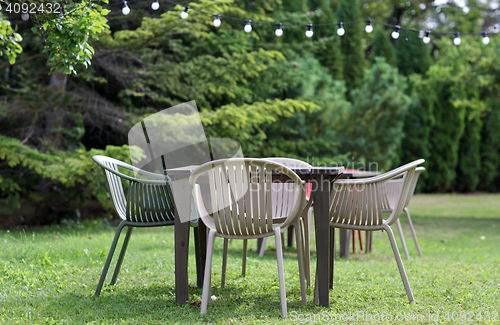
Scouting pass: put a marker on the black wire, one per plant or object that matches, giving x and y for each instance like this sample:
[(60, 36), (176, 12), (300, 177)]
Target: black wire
[(313, 25)]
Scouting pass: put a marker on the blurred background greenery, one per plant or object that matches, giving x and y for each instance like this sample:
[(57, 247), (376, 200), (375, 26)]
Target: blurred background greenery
[(360, 98)]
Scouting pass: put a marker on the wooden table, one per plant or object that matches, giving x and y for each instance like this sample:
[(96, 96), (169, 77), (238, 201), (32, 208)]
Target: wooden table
[(322, 179)]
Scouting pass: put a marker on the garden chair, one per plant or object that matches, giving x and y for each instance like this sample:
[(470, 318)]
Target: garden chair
[(358, 204), (149, 203), (393, 186), (240, 206)]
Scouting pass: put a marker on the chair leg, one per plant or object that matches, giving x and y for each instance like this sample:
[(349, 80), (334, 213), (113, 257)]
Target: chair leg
[(120, 258), (244, 262), (412, 231), (402, 237), (316, 291), (281, 271), (108, 260), (300, 258), (360, 241), (224, 264), (263, 247), (207, 282), (368, 240), (399, 262), (354, 241), (307, 250)]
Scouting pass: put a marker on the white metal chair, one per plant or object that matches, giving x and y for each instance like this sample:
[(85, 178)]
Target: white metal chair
[(393, 187), (240, 206), (149, 203), (358, 204)]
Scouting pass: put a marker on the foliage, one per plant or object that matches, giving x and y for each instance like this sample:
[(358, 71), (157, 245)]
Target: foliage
[(9, 40), (75, 177), (246, 123), (490, 147), (469, 166), (462, 80), (352, 50), (68, 36), (382, 47), (413, 55), (418, 125), (373, 127), (328, 50), (289, 96), (309, 134), (66, 28)]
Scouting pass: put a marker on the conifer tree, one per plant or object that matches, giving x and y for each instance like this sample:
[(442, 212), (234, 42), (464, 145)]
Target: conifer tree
[(490, 147), (351, 43), (469, 166), (412, 56), (382, 47), (328, 44)]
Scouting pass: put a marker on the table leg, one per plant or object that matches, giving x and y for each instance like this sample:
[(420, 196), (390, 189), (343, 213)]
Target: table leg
[(200, 243), (259, 244), (181, 244), (344, 243), (290, 237), (322, 230), (181, 261)]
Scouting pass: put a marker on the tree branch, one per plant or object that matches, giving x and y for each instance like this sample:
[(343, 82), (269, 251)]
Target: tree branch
[(6, 64)]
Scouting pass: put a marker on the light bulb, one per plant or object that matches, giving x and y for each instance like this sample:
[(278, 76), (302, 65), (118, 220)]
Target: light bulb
[(248, 26), (309, 31), (427, 38), (341, 30), (279, 31), (217, 21), (184, 14), (457, 39), (125, 9), (369, 27), (395, 33), (25, 16), (155, 5), (486, 39)]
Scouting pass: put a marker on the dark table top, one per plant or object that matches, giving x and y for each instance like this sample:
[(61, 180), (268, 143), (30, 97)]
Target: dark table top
[(188, 170)]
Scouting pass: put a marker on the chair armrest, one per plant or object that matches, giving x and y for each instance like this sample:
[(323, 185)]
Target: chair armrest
[(379, 178), (159, 179)]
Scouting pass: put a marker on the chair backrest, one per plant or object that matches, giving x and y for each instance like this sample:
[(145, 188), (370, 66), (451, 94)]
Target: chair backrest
[(115, 186), (393, 187), (148, 201), (294, 163), (359, 202), (242, 199)]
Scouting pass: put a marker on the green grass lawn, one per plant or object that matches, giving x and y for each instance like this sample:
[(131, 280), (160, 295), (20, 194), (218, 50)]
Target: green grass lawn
[(48, 276)]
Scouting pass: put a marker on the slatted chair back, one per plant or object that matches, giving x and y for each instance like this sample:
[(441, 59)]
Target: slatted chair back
[(393, 187), (294, 163), (243, 202), (148, 200), (359, 203)]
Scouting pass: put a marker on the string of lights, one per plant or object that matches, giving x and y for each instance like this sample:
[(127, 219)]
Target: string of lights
[(426, 34)]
